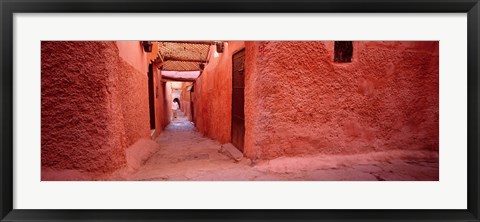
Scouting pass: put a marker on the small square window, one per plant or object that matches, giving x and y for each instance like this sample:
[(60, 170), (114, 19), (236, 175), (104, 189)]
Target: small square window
[(343, 51)]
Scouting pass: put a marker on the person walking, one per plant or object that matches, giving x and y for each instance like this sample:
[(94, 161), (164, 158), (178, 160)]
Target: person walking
[(175, 107)]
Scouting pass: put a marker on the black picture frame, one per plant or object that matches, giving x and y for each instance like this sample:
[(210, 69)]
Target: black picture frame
[(9, 7)]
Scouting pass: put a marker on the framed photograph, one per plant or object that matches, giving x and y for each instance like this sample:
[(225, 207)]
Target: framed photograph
[(243, 111)]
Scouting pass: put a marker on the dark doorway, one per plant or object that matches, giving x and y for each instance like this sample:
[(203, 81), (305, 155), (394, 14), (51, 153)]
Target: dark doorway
[(151, 96), (238, 88)]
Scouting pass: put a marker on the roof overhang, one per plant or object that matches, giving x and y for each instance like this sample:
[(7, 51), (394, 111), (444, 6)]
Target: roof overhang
[(184, 55), (181, 76)]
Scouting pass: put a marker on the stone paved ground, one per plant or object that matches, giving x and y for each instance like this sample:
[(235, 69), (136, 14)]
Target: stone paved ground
[(185, 154)]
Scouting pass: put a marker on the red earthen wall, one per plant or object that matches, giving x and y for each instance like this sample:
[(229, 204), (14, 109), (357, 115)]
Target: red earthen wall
[(133, 90), (132, 53), (94, 105), (166, 115), (185, 100), (161, 112), (168, 100), (213, 94), (298, 101)]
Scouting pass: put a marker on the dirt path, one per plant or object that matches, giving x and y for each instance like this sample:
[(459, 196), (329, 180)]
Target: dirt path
[(187, 155)]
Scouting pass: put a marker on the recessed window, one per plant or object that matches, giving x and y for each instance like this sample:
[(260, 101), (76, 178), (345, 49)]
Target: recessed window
[(343, 51)]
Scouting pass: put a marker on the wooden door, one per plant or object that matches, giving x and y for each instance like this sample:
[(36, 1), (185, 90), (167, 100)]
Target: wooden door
[(238, 86)]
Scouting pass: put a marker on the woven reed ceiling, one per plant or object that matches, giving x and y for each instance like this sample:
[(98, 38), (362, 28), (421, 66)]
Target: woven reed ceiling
[(184, 55)]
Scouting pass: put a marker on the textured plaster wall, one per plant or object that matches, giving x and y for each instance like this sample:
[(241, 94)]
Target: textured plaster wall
[(132, 53), (166, 107), (185, 100), (133, 90), (161, 112), (94, 105), (213, 94), (161, 107), (297, 101)]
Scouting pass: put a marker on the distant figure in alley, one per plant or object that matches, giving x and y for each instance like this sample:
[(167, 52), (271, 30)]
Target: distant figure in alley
[(175, 107)]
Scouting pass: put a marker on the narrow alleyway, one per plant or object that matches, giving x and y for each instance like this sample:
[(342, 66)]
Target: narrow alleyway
[(185, 154), (247, 110)]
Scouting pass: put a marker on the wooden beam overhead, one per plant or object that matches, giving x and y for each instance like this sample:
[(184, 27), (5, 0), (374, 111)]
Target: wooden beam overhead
[(193, 42), (181, 70), (174, 58), (168, 79), (159, 55)]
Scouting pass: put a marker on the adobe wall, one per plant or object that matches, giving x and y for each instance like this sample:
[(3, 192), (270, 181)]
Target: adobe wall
[(166, 107), (186, 100), (168, 99), (298, 101), (161, 108), (161, 112), (213, 94), (133, 90), (94, 105), (132, 53)]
